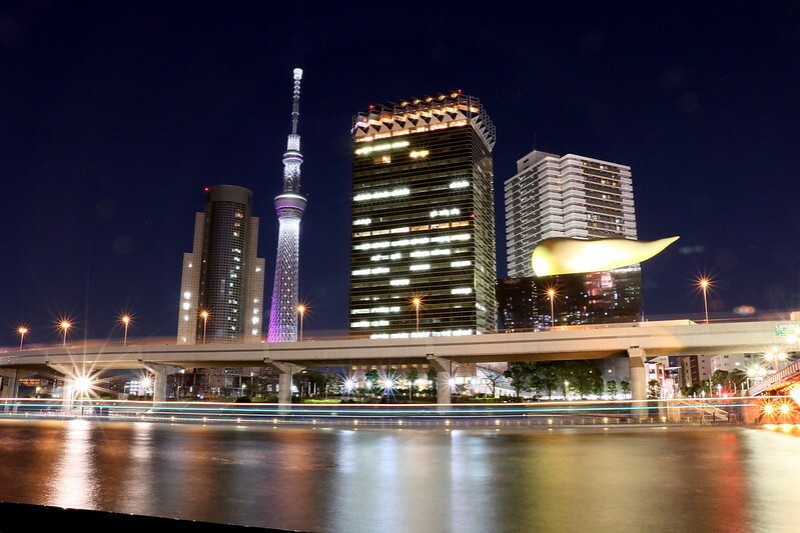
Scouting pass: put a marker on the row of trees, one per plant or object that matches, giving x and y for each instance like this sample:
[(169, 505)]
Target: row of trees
[(730, 381), (547, 377)]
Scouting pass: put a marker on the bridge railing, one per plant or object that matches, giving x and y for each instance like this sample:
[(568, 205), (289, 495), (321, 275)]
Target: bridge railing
[(774, 380)]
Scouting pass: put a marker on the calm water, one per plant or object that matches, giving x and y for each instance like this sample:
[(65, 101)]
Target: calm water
[(652, 479)]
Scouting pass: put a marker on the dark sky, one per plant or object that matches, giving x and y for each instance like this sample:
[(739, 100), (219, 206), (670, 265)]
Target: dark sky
[(115, 115)]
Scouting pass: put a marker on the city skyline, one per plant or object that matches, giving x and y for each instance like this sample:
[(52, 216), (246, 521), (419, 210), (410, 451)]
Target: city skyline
[(103, 154)]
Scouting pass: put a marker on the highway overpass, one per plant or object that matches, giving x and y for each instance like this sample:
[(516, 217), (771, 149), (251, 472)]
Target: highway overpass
[(632, 340)]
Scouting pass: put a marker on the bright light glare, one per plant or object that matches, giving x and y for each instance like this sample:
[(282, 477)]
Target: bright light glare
[(83, 384)]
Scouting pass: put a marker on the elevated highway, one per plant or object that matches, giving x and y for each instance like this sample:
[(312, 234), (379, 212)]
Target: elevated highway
[(632, 340)]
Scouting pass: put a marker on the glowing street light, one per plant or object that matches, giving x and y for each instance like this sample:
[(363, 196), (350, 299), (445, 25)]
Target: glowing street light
[(704, 283), (204, 315), (64, 325), (126, 320), (145, 383), (551, 293), (349, 385), (82, 385), (566, 389), (775, 355), (755, 372), (301, 310), (22, 330), (417, 303)]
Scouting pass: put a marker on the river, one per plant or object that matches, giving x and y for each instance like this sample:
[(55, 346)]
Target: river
[(353, 480)]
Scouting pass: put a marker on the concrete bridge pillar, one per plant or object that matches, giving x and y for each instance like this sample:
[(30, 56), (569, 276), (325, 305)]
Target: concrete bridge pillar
[(68, 391), (638, 373), (285, 373), (10, 383), (443, 368), (160, 373), (10, 379)]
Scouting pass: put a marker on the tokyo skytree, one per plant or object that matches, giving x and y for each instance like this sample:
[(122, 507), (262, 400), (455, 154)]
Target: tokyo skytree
[(289, 206)]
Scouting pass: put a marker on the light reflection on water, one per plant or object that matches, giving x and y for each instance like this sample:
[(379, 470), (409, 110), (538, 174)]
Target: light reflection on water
[(654, 479)]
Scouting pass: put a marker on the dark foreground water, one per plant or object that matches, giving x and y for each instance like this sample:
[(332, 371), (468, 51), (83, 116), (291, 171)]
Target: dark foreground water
[(646, 479)]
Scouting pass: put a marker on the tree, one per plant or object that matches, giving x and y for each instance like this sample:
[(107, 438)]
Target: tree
[(719, 377), (520, 376), (586, 376), (612, 388), (737, 376), (412, 375), (547, 377), (432, 380), (653, 388), (491, 377), (625, 387), (331, 384), (371, 381)]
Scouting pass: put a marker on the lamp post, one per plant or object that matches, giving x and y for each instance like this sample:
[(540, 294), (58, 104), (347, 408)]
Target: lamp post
[(64, 325), (417, 303), (22, 331), (126, 320), (703, 283), (775, 355), (301, 310), (551, 293), (204, 315)]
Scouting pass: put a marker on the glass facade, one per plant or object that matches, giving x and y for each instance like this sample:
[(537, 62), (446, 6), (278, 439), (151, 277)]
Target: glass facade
[(423, 248), (593, 298)]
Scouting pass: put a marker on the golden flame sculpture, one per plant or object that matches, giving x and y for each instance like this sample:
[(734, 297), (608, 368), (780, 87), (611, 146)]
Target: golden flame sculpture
[(561, 255)]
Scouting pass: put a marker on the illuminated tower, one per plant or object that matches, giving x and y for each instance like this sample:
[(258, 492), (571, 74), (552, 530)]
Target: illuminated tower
[(222, 285), (422, 253), (289, 206)]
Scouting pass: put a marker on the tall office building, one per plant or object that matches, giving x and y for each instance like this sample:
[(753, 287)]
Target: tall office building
[(222, 286), (565, 196), (576, 197), (289, 206), (423, 219)]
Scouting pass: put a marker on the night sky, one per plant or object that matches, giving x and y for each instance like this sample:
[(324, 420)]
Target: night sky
[(115, 115)]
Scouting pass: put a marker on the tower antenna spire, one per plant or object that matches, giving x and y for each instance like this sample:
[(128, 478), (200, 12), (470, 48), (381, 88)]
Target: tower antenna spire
[(298, 76), (289, 206)]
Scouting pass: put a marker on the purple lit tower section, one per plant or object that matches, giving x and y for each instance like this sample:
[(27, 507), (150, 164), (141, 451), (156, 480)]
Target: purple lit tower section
[(289, 205)]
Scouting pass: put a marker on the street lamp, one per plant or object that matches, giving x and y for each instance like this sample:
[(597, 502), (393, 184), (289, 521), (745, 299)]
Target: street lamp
[(22, 331), (64, 325), (417, 303), (301, 310), (774, 355), (754, 373), (551, 293), (204, 315), (704, 283), (126, 320)]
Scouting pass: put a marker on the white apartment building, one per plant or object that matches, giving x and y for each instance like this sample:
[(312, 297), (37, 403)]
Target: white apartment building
[(565, 196)]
